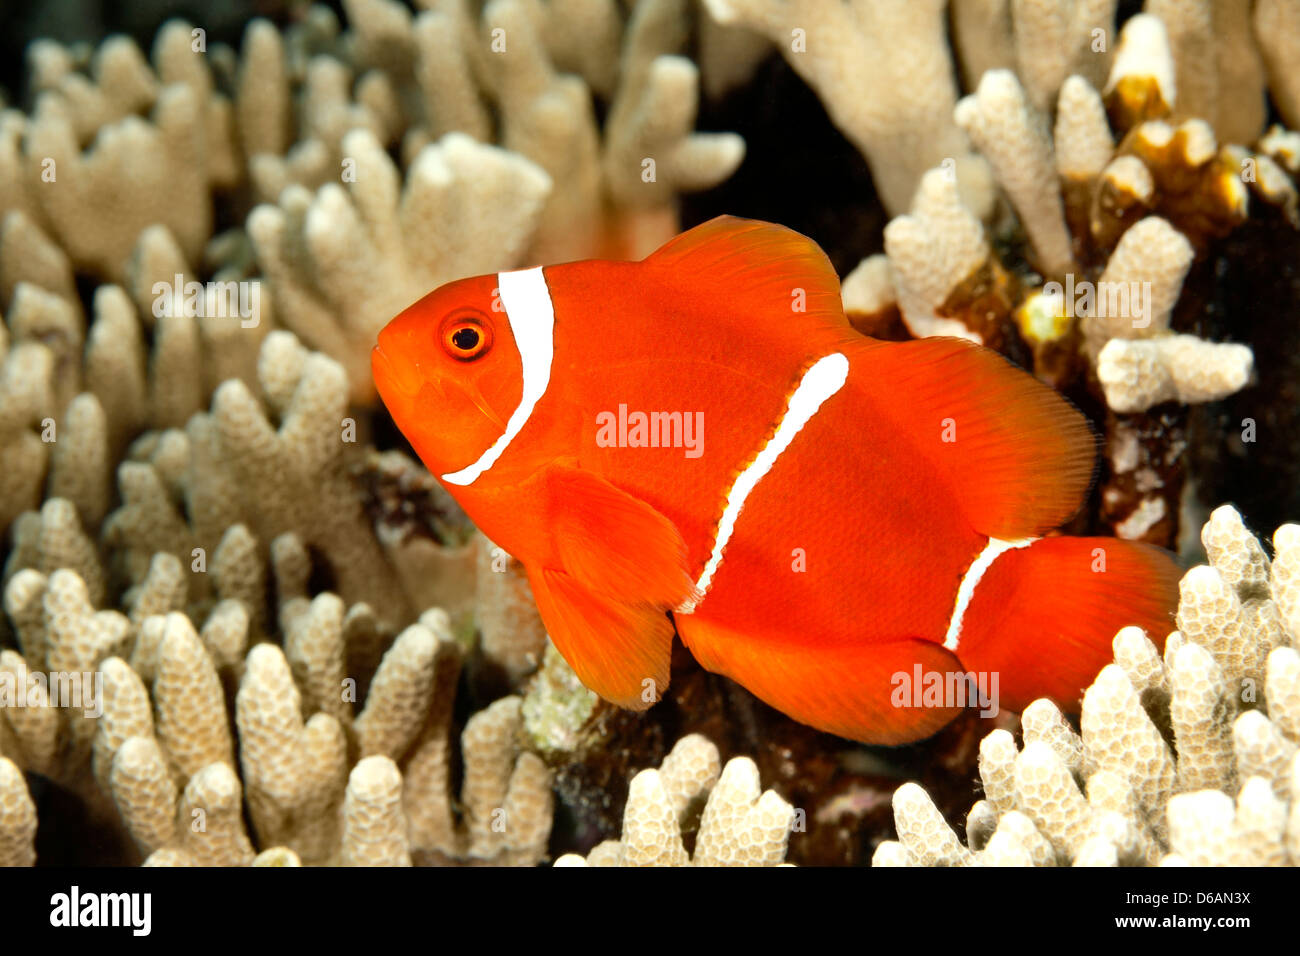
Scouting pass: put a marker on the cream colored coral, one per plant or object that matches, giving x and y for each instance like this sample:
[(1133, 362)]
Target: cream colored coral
[(191, 706), (1284, 578), (314, 649), (1152, 258), (1015, 141), (1082, 140), (1282, 690), (1054, 38), (33, 729), (869, 288), (17, 818), (739, 827), (343, 262), (296, 477), (881, 68), (374, 828), (427, 773), (510, 629), (77, 638), (1263, 750), (1219, 75), (399, 695), (293, 772), (1224, 794), (145, 792), (1017, 842), (1235, 552), (1120, 736), (1277, 31), (931, 251), (997, 770), (923, 831), (1137, 374), (115, 365), (137, 173), (127, 713), (653, 116), (1202, 710), (209, 823), (1142, 75), (56, 541), (1042, 720)]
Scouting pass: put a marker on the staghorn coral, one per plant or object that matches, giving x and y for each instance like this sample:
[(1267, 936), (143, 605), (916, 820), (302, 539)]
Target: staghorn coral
[(1180, 760), (737, 826)]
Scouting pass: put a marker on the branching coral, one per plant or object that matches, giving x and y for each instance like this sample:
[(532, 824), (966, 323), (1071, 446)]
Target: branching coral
[(343, 262), (136, 172), (17, 818), (737, 827), (316, 109), (884, 73), (162, 750), (1113, 208), (1180, 760)]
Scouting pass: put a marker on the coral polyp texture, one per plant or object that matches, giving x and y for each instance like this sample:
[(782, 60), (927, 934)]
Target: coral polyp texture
[(1190, 758), (244, 625), (738, 825)]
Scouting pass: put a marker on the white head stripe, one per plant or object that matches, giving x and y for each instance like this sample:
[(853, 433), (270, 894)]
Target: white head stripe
[(528, 308), (819, 383), (966, 591)]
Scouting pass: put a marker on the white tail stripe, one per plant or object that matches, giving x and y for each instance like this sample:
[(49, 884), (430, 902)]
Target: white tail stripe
[(974, 573), (528, 308), (826, 377)]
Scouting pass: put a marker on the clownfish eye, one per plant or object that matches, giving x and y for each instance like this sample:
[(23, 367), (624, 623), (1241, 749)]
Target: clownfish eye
[(465, 337)]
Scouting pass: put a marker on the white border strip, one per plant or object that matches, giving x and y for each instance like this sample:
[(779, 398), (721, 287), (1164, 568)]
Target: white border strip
[(826, 377), (528, 308), (974, 573)]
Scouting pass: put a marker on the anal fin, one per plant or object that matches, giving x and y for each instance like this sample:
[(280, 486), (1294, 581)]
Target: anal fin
[(860, 690)]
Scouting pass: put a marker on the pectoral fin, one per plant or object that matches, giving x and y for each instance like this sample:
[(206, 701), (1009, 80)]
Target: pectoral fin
[(614, 544), (615, 569)]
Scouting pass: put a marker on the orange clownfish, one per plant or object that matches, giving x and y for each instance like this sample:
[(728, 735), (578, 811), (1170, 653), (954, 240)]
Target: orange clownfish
[(699, 441)]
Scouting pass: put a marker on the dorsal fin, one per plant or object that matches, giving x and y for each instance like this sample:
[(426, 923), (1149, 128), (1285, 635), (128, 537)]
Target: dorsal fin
[(758, 262), (1018, 457)]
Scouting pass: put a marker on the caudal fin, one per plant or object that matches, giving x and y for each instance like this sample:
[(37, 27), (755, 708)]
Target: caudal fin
[(1043, 616)]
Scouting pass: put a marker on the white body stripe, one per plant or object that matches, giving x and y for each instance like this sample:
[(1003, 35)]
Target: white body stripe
[(826, 377), (974, 573), (531, 315)]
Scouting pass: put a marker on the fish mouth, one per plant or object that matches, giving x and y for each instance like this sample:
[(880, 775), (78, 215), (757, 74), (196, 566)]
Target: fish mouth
[(393, 378)]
